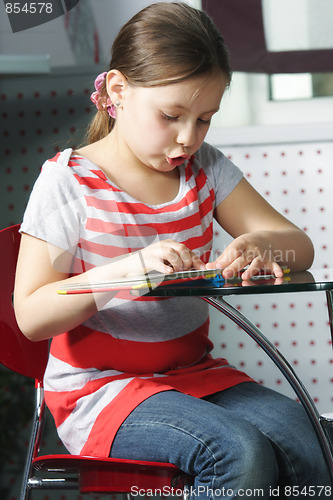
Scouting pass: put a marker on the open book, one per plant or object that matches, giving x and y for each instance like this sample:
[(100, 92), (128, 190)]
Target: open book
[(148, 281)]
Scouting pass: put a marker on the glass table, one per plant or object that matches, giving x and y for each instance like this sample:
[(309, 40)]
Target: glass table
[(215, 291)]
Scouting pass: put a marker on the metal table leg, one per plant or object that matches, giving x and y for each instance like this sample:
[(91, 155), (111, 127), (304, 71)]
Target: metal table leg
[(327, 419), (329, 297), (250, 328)]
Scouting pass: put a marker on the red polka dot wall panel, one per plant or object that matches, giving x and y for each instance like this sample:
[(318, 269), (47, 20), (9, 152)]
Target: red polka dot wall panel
[(297, 179), (39, 117)]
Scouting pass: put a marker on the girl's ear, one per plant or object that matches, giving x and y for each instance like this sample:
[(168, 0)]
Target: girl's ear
[(116, 84)]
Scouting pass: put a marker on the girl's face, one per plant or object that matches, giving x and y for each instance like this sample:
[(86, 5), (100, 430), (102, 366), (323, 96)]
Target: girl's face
[(162, 126)]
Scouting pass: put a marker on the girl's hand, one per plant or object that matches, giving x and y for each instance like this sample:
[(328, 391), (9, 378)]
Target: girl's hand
[(169, 256), (251, 249)]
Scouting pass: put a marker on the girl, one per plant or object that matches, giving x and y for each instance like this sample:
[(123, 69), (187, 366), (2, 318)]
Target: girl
[(134, 378)]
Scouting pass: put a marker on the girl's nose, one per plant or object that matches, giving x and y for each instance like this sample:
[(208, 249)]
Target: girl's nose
[(186, 136)]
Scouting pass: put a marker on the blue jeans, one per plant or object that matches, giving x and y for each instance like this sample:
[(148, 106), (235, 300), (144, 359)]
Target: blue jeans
[(247, 441)]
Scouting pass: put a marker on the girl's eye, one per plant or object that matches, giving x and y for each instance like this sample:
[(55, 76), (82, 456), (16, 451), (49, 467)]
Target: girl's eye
[(169, 117), (172, 118), (204, 122)]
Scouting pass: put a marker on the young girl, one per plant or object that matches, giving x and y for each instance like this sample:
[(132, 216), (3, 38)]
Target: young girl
[(133, 377)]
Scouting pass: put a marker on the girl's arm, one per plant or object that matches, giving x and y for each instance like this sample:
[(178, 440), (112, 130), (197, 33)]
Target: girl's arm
[(41, 313), (264, 239)]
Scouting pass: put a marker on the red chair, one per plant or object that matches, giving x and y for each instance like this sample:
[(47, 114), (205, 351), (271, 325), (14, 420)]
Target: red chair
[(87, 474)]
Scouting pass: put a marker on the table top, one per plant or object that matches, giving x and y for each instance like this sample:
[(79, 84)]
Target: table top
[(305, 281)]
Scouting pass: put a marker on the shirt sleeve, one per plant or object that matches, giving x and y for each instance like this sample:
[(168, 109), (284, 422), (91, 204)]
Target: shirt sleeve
[(222, 174), (54, 210)]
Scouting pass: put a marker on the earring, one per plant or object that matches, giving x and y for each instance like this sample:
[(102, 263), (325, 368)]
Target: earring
[(117, 103)]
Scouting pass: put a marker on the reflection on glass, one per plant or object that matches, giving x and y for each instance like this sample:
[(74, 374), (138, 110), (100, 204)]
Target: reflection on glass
[(298, 25), (285, 87)]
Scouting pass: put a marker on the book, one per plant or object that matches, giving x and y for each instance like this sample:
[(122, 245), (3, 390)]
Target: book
[(149, 281)]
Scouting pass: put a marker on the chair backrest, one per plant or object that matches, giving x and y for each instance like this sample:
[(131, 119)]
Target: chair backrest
[(16, 351)]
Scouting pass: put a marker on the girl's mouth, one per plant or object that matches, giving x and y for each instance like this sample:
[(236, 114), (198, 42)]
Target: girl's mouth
[(178, 160)]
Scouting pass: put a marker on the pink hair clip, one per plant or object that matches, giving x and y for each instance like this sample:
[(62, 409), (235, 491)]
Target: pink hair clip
[(96, 97)]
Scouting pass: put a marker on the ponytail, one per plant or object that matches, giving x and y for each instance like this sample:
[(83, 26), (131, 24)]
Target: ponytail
[(99, 127)]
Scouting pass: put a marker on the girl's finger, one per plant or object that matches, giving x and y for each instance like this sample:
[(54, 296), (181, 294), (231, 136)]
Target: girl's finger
[(227, 258), (277, 270), (186, 259), (236, 266), (254, 268)]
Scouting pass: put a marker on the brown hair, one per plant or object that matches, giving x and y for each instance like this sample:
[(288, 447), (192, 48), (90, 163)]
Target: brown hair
[(163, 43)]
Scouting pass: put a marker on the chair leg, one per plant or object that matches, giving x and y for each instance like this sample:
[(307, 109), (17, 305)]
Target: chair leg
[(36, 432), (25, 490)]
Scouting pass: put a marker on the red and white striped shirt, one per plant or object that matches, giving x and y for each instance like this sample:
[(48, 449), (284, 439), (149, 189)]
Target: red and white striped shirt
[(133, 347)]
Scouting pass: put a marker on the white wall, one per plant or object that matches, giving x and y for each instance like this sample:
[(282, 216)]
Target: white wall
[(53, 38)]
